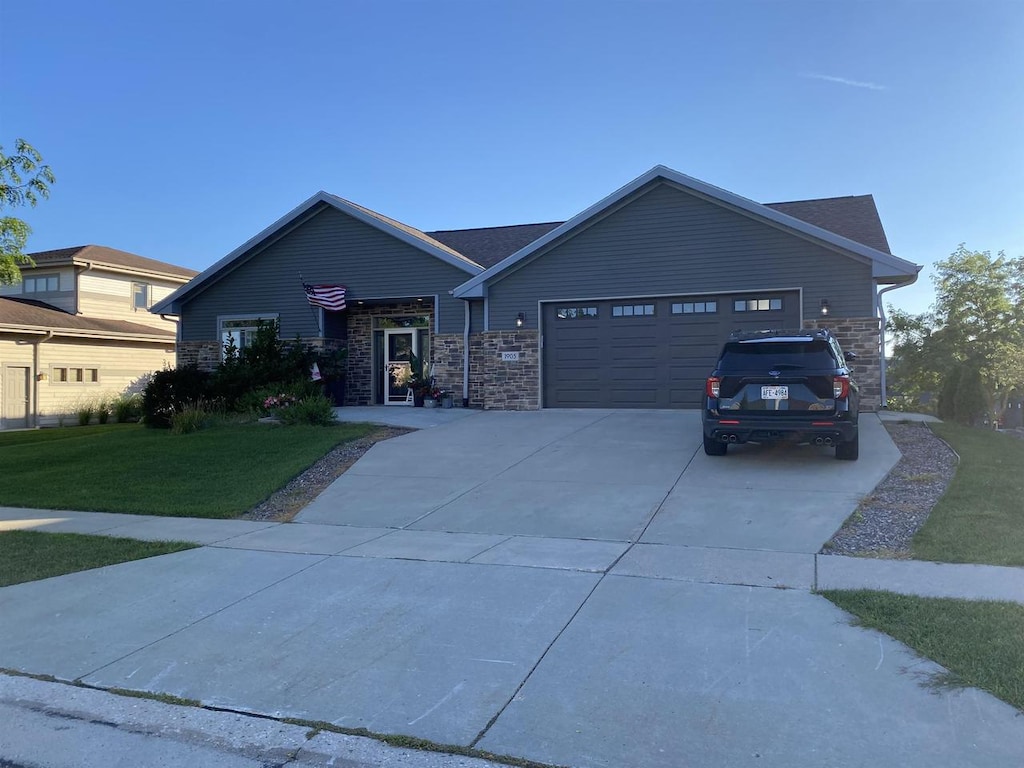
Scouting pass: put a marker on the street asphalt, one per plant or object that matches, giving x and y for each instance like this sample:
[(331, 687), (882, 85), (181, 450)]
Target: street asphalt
[(581, 588)]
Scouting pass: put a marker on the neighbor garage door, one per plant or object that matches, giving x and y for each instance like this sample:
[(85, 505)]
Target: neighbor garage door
[(647, 353)]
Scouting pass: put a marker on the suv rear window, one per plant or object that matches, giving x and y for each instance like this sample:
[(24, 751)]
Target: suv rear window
[(791, 354)]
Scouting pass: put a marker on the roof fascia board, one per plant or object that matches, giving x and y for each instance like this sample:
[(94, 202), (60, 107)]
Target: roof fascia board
[(123, 270), (557, 232), (36, 330), (355, 212), (713, 194), (269, 235), (265, 238)]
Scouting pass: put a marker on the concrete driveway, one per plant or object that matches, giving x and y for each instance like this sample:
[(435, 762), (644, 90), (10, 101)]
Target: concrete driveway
[(582, 588)]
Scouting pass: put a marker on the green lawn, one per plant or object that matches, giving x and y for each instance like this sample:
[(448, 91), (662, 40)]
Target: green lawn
[(980, 519), (222, 471), (980, 643), (31, 555)]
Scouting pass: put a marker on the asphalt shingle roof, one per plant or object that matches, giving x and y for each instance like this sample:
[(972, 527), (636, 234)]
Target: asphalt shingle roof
[(37, 314), (103, 255)]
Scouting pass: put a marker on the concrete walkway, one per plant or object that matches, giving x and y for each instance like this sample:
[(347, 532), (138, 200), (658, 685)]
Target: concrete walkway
[(557, 586), (702, 565)]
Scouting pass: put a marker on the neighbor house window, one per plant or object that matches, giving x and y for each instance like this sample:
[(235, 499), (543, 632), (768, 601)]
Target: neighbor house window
[(573, 313), (141, 295), (41, 283), (633, 310), (241, 330), (756, 305), (694, 307), (66, 375)]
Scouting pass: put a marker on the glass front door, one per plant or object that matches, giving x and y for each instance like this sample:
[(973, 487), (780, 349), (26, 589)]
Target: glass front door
[(400, 344)]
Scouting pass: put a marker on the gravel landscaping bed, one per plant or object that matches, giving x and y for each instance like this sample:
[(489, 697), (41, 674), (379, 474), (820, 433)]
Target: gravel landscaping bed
[(887, 519), (287, 502)]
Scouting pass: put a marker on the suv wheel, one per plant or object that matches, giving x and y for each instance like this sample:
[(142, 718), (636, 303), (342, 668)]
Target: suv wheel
[(849, 450), (714, 447)]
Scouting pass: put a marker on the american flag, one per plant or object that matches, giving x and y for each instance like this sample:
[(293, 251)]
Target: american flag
[(330, 297)]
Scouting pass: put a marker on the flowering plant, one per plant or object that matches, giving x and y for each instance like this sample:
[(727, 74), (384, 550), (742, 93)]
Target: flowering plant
[(278, 401)]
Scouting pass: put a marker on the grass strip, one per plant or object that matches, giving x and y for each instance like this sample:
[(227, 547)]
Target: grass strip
[(32, 555), (219, 472), (980, 519), (981, 643)]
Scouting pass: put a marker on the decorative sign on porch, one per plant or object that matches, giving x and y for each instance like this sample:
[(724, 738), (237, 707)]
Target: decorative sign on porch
[(510, 357)]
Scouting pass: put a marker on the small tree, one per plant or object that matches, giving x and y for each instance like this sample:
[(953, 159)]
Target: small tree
[(23, 180)]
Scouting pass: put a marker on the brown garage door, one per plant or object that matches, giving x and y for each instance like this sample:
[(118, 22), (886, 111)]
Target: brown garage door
[(647, 353)]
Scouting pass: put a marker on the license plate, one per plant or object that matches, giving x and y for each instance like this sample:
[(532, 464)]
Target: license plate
[(775, 393)]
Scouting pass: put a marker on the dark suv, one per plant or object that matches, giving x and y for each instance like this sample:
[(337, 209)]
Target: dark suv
[(782, 385)]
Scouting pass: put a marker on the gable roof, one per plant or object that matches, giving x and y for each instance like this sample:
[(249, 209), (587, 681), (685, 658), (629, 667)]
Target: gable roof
[(101, 255), (885, 266), (316, 203), (32, 316)]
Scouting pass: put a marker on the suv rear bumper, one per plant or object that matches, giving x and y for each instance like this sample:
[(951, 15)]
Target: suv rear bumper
[(761, 430)]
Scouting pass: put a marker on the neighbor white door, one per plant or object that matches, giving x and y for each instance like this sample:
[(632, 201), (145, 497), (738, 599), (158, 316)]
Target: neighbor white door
[(16, 397)]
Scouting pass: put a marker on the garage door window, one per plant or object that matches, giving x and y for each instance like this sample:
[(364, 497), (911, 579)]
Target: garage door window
[(575, 313), (633, 310), (756, 305), (694, 307)]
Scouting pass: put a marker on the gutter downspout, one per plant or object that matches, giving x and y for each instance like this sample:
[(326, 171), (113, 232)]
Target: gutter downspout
[(465, 358), (881, 338), (78, 286), (35, 377)]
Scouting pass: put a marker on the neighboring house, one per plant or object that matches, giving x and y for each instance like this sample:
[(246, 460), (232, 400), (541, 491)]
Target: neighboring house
[(77, 328), (624, 305)]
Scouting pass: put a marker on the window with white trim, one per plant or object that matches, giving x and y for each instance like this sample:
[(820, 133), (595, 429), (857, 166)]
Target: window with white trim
[(141, 296), (241, 330), (757, 305), (66, 375), (633, 310), (40, 283), (694, 307)]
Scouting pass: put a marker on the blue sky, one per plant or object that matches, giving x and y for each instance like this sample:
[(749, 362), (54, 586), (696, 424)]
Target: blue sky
[(179, 130)]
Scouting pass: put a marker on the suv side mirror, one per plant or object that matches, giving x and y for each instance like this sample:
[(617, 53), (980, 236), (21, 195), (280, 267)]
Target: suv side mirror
[(850, 355)]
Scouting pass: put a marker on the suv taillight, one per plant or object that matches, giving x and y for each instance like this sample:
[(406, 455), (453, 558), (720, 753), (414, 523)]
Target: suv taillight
[(840, 387), (712, 386)]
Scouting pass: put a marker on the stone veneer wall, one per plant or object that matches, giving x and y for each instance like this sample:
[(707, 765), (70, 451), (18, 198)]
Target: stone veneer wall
[(861, 336), (205, 354), (359, 382), (495, 384), (446, 356)]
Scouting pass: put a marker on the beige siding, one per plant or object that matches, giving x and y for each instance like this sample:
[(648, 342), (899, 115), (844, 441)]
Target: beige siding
[(109, 296), (120, 367)]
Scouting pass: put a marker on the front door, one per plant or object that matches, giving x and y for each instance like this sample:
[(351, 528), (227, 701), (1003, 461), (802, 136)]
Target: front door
[(16, 393), (400, 344)]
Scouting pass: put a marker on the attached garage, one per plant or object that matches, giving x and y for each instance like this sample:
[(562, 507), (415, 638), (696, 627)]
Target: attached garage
[(646, 352)]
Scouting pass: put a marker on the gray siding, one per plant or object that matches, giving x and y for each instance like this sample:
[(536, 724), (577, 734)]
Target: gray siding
[(330, 247), (667, 241)]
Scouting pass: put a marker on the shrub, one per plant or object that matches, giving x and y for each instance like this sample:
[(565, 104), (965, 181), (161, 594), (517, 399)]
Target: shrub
[(170, 390), (84, 410), (315, 409), (191, 418), (103, 410), (127, 407)]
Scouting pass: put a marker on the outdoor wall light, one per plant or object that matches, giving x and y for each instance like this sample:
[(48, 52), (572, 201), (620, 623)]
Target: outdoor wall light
[(824, 307), (520, 319)]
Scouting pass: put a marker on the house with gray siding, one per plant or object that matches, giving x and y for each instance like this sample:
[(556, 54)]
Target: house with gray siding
[(623, 306)]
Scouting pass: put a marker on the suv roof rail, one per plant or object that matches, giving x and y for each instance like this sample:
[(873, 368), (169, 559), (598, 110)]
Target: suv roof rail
[(806, 333)]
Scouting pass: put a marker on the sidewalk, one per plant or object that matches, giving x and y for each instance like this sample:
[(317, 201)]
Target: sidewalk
[(908, 577)]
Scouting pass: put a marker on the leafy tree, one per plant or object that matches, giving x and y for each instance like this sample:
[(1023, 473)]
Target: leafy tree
[(971, 345), (23, 180)]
